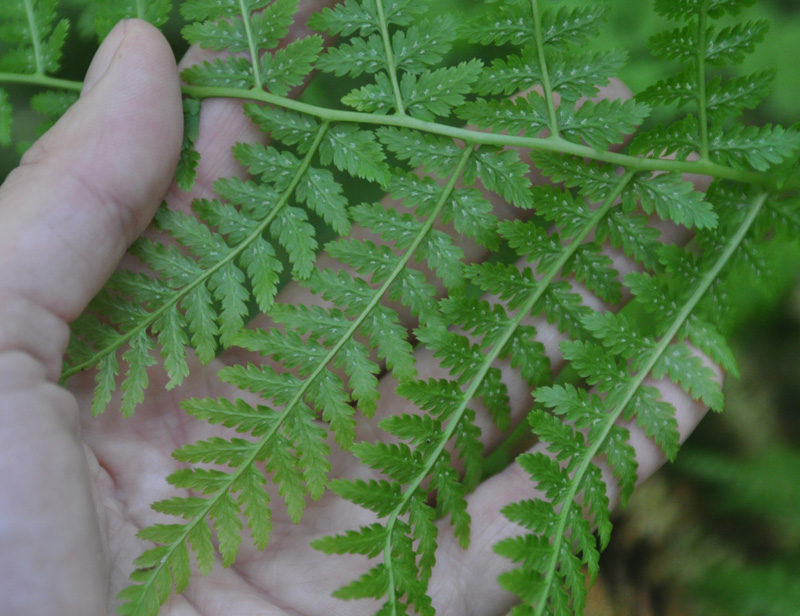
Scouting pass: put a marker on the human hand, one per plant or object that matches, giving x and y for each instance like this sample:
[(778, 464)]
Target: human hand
[(81, 195), (74, 497)]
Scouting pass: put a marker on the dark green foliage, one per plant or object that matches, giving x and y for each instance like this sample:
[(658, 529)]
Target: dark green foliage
[(398, 278), (5, 119)]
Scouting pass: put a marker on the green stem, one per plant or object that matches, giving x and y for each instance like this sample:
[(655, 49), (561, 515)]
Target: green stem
[(701, 80), (42, 81), (541, 286), (443, 198), (251, 43), (390, 66), (592, 452), (546, 85), (37, 44), (259, 445), (549, 144), (233, 254)]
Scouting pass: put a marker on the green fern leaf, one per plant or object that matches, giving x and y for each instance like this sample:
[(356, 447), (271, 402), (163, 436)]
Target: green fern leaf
[(345, 18), (380, 496), (138, 358), (227, 286), (572, 25), (685, 9), (323, 194), (397, 461), (268, 26), (576, 77), (355, 151), (106, 383), (678, 89), (570, 77), (435, 93), (237, 414), (423, 45), (732, 44), (689, 371), (235, 72), (731, 96), (601, 124), (219, 450), (503, 172), (511, 23), (354, 59), (434, 154), (108, 14), (503, 23), (186, 173), (368, 541), (751, 146), (677, 44), (296, 235), (372, 584), (451, 498), (171, 330), (373, 98), (34, 43), (633, 233), (286, 126), (282, 70), (680, 139), (672, 199), (593, 181), (506, 281), (528, 114), (227, 526)]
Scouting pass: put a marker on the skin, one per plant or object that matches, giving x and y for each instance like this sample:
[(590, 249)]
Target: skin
[(75, 490)]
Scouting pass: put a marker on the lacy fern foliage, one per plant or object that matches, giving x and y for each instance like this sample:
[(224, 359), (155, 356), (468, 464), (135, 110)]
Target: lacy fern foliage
[(539, 222)]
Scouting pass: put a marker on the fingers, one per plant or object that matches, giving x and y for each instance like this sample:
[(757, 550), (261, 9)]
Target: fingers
[(89, 186), (483, 595)]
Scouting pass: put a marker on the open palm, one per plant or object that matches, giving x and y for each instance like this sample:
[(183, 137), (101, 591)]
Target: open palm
[(74, 490)]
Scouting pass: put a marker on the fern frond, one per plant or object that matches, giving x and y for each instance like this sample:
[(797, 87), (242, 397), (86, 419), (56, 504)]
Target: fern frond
[(549, 583), (403, 277), (293, 445), (109, 13), (570, 77), (223, 265), (34, 40)]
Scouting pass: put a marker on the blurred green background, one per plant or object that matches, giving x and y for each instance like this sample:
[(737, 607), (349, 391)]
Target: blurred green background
[(719, 532)]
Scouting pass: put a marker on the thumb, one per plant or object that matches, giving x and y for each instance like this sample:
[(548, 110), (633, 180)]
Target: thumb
[(87, 188)]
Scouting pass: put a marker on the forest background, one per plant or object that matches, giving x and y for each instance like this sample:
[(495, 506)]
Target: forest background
[(719, 531)]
